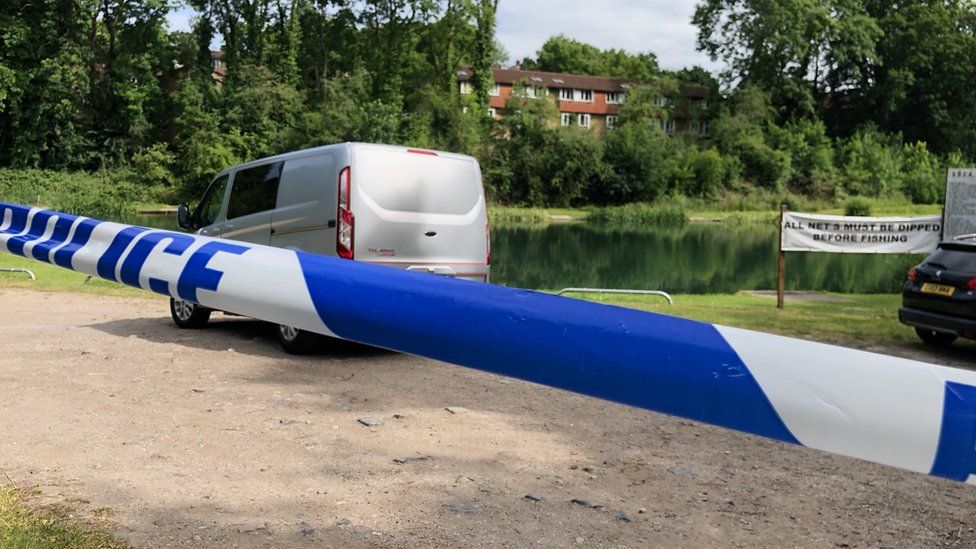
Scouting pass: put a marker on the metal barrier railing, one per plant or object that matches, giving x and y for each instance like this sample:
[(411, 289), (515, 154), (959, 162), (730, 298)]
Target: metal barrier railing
[(665, 295), (28, 272)]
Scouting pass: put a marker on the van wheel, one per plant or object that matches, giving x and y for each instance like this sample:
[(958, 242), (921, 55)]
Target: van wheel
[(936, 339), (295, 341), (187, 314)]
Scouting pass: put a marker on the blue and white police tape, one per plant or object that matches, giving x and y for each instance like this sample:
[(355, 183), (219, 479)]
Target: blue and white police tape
[(893, 411)]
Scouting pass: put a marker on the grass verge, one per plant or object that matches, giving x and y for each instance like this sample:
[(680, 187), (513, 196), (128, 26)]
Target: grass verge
[(862, 319), (22, 526), (55, 279)]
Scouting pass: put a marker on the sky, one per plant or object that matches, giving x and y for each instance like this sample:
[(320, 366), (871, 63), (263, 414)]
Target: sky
[(659, 26)]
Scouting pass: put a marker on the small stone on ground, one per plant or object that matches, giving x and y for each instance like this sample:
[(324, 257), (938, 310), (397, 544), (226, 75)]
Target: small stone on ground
[(462, 507), (587, 503), (408, 459)]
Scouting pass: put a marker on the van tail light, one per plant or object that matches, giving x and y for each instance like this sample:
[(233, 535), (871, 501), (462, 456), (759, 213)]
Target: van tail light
[(346, 229), (971, 285), (912, 275), (422, 151), (487, 242)]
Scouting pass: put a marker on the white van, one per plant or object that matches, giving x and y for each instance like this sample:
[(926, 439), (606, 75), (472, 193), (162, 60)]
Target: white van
[(408, 208)]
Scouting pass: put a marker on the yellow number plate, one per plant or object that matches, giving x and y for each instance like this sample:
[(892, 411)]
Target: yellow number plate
[(940, 289)]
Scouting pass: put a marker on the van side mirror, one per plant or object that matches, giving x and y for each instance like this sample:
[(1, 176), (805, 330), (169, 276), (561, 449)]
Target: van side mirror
[(183, 217)]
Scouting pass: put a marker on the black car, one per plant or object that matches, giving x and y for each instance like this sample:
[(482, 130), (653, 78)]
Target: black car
[(939, 298)]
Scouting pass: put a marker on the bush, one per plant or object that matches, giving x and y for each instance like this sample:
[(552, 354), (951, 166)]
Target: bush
[(517, 216), (764, 166), (923, 181), (811, 156), (640, 214), (709, 173), (637, 156), (858, 206), (870, 164), (107, 194)]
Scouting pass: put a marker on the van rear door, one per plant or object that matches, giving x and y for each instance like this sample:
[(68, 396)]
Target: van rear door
[(419, 210)]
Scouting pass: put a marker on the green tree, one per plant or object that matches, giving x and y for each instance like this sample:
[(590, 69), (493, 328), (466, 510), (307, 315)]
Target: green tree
[(484, 50), (924, 86), (799, 49), (870, 163), (563, 54)]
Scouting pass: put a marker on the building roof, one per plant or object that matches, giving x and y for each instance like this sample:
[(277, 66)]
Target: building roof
[(554, 79), (694, 91), (512, 75)]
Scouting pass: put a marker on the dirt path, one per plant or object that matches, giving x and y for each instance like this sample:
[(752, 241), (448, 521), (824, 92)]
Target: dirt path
[(215, 438)]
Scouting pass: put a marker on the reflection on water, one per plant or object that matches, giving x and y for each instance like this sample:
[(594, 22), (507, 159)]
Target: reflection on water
[(696, 258)]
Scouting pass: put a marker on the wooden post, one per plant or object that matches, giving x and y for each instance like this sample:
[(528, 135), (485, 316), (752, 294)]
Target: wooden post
[(781, 267)]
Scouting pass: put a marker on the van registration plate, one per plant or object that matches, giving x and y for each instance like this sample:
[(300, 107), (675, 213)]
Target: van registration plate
[(940, 289)]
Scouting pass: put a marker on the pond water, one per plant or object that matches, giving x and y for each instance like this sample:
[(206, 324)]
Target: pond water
[(695, 258)]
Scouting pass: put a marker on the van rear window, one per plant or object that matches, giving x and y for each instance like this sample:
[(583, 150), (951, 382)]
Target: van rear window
[(254, 190), (405, 182)]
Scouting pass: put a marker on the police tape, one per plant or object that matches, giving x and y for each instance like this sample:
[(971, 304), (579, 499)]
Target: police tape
[(888, 410)]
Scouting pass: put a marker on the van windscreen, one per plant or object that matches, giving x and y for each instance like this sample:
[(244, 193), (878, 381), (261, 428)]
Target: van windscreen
[(423, 183)]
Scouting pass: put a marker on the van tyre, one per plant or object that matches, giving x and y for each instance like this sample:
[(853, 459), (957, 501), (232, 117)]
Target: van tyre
[(295, 341), (936, 339), (188, 315)]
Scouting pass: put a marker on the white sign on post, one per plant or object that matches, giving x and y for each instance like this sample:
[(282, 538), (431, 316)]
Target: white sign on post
[(804, 232), (960, 202)]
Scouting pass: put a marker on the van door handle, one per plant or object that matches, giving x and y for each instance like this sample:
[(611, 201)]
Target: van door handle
[(331, 224), (272, 231)]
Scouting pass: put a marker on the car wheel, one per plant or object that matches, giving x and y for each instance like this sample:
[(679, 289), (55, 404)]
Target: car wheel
[(931, 337), (188, 315), (295, 341)]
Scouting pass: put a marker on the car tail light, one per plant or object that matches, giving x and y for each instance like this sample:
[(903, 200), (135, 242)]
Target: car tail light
[(971, 285), (487, 242), (346, 230), (912, 274)]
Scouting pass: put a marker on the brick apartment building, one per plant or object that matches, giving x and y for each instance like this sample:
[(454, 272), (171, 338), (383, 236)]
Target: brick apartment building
[(592, 101)]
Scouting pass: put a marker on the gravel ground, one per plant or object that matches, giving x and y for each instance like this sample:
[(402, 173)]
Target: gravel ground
[(216, 438)]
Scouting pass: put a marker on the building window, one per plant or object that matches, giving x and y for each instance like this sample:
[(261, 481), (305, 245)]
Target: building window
[(466, 88), (566, 118), (581, 96), (662, 102), (491, 112), (669, 126), (583, 121), (532, 92), (611, 121), (615, 98), (217, 63), (703, 128), (495, 90)]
